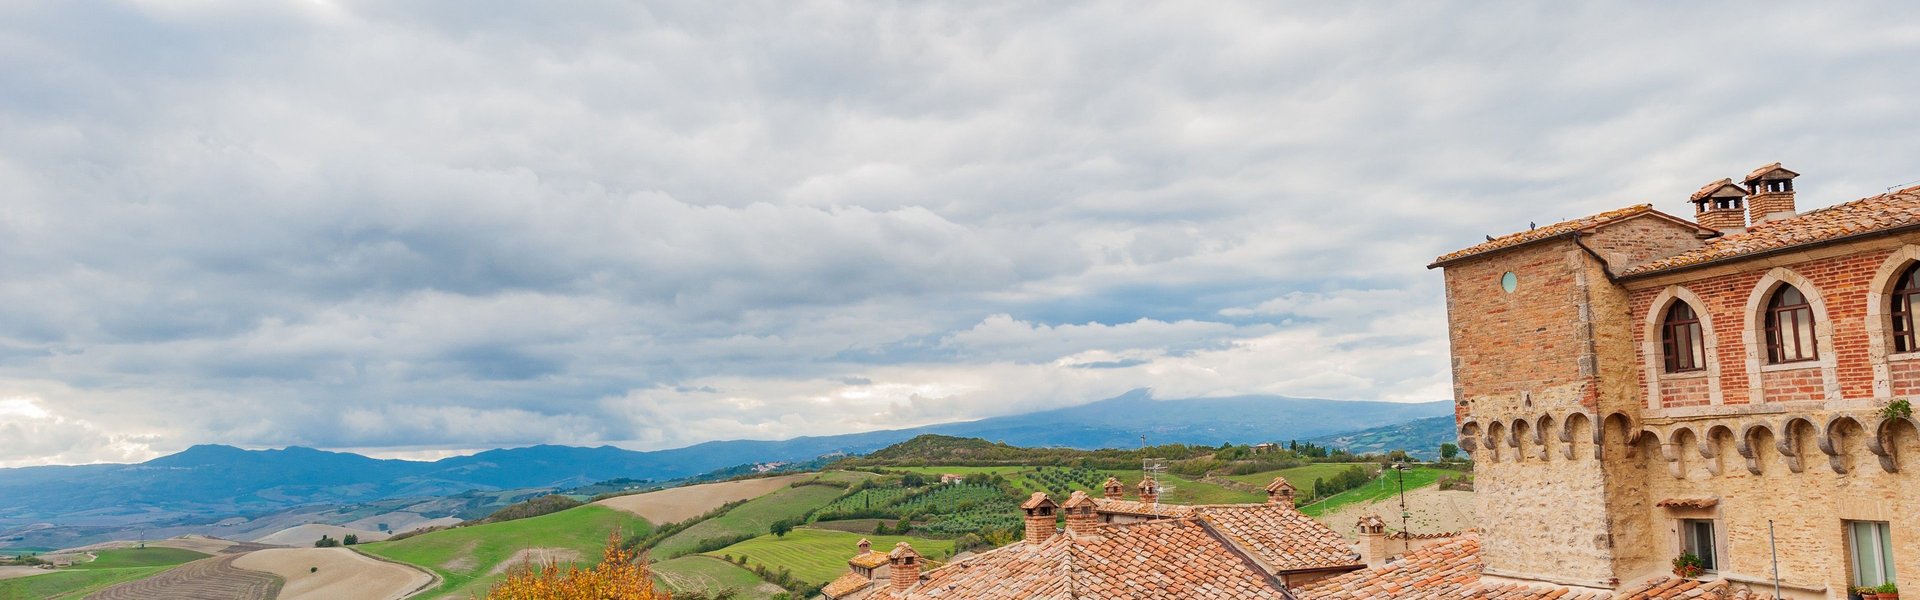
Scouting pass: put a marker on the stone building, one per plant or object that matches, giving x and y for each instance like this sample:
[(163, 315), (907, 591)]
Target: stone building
[(1635, 386), (1113, 547)]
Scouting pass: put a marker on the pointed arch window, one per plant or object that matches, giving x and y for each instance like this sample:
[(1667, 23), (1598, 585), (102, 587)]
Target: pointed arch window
[(1681, 339), (1906, 293), (1789, 327)]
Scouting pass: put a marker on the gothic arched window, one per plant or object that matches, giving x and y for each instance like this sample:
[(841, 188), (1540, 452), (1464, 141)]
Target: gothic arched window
[(1681, 340), (1789, 327), (1905, 293)]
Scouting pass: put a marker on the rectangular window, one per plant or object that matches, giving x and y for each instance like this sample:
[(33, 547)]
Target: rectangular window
[(1696, 538), (1872, 549)]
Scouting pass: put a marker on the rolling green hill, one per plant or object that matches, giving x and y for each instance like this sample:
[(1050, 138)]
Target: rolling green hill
[(711, 575), (468, 559), (754, 518), (817, 555)]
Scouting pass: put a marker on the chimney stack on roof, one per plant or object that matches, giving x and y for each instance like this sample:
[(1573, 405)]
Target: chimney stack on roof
[(865, 547), (1039, 509), (1772, 198), (1280, 492), (904, 564), (1113, 489), (1373, 540), (1080, 517), (1149, 490), (1720, 206)]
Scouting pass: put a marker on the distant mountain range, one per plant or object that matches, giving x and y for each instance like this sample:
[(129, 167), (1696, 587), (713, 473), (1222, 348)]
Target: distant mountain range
[(1420, 437), (213, 480)]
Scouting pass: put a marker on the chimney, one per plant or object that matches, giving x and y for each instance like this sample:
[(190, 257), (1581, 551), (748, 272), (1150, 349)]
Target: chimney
[(1373, 541), (1280, 492), (1720, 206), (865, 547), (1113, 488), (1080, 517), (1149, 490), (1772, 198), (904, 564), (1039, 510)]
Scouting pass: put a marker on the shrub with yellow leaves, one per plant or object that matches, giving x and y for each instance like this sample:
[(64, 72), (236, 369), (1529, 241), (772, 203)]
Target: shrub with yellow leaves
[(621, 575)]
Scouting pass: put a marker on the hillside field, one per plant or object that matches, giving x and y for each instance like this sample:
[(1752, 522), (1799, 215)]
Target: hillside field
[(1030, 479), (110, 568), (1301, 477), (699, 573), (470, 559), (674, 505), (818, 555), (754, 518), (1383, 487)]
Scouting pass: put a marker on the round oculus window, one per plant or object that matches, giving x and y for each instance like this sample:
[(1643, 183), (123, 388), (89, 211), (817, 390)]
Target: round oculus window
[(1509, 281)]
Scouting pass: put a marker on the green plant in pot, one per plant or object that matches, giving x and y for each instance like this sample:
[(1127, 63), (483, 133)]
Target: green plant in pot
[(1866, 593), (1688, 566), (1887, 591)]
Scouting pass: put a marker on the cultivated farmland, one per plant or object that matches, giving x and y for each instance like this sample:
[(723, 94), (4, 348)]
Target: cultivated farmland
[(818, 555), (467, 558), (334, 573), (205, 578), (679, 504), (751, 519), (108, 568), (699, 573)]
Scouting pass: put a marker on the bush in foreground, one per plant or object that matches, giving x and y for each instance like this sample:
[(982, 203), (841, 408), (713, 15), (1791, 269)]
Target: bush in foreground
[(621, 575)]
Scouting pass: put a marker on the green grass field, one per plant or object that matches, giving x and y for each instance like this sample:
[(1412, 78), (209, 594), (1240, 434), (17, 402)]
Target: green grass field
[(464, 557), (753, 518), (819, 555), (707, 574), (1386, 486), (124, 558), (1301, 477), (1185, 491), (112, 567)]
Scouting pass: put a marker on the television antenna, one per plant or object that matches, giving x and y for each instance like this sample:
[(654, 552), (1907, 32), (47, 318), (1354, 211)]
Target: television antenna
[(1156, 470)]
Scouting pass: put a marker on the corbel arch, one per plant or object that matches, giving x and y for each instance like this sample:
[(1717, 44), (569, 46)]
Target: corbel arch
[(1544, 436), (1470, 436), (1787, 440), (1751, 451), (1651, 353), (1577, 429), (1753, 333), (1880, 316)]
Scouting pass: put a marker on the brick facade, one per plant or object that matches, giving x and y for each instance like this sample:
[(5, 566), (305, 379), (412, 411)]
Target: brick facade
[(1589, 455)]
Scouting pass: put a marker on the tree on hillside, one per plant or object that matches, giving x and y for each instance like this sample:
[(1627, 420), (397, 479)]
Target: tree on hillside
[(781, 527), (350, 539), (326, 542), (1448, 450), (913, 480), (621, 575)]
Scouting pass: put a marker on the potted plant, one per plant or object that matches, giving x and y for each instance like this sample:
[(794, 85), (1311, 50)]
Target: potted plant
[(1688, 566), (1866, 593), (1888, 591)]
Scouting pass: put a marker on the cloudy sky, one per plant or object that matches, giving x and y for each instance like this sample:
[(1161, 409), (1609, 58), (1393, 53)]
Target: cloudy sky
[(410, 228)]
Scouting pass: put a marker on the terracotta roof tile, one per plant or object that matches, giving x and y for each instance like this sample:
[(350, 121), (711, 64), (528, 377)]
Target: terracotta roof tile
[(1867, 215), (1170, 559), (1141, 509), (869, 560), (846, 585), (1541, 233), (1281, 536)]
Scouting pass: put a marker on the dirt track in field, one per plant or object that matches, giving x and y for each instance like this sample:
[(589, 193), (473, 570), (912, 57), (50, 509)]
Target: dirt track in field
[(334, 573), (682, 503), (206, 579)]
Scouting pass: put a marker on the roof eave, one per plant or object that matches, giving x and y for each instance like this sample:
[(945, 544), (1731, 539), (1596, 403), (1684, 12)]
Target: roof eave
[(1771, 252)]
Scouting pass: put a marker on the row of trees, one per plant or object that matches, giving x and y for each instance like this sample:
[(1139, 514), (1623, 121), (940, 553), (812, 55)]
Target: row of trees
[(327, 541)]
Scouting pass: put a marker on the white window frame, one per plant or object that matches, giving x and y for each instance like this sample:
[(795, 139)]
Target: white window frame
[(1882, 552), (1687, 538)]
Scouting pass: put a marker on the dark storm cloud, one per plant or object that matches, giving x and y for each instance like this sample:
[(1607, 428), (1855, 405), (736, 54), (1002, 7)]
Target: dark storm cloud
[(455, 225)]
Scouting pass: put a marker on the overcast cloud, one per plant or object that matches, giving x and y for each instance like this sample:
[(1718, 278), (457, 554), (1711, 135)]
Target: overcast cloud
[(417, 227)]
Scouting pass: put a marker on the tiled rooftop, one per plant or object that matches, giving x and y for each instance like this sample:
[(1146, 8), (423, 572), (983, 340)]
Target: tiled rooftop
[(1170, 559), (1541, 233), (1867, 215), (1143, 509), (1284, 539)]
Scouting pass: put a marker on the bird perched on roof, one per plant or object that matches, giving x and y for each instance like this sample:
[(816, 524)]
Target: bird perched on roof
[(1489, 238), (1531, 226)]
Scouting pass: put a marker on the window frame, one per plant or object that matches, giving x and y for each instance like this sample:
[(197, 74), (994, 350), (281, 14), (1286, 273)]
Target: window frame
[(1906, 292), (1801, 326), (1676, 332), (1883, 552), (1710, 559)]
